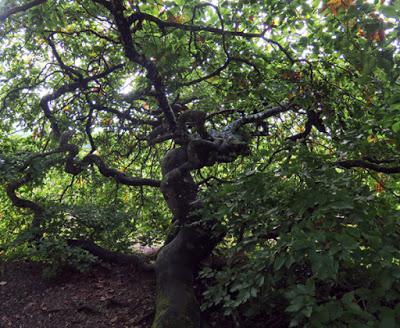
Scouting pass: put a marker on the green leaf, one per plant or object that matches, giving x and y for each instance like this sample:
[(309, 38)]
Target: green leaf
[(279, 262), (388, 318), (307, 311), (347, 241), (324, 266), (322, 314), (396, 127), (296, 305), (348, 297), (335, 310), (389, 11)]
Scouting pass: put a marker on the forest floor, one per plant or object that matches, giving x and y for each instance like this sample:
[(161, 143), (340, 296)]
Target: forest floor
[(106, 296)]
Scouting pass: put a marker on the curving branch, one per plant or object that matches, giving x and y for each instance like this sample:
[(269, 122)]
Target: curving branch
[(12, 193), (117, 9), (110, 256), (368, 165), (160, 138), (83, 31), (17, 201), (124, 115), (379, 161), (162, 25), (11, 11), (81, 83), (208, 76), (258, 117), (71, 166), (247, 62), (74, 166), (118, 176), (72, 73), (225, 111), (218, 71), (313, 119), (302, 135)]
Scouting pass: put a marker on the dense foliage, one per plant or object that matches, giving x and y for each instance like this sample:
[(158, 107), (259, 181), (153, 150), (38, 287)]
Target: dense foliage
[(310, 217), (335, 261)]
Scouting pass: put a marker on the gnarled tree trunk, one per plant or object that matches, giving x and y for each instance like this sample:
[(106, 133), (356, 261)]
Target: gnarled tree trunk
[(178, 260)]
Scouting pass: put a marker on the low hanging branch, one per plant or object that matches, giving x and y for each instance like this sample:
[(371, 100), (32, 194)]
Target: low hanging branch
[(12, 191), (75, 166), (17, 201), (71, 166), (114, 257), (118, 176), (39, 211)]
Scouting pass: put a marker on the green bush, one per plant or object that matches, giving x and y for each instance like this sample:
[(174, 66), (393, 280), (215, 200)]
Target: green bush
[(318, 249), (57, 255)]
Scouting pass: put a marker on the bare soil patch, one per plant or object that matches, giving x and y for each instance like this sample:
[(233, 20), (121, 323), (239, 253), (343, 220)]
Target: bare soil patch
[(106, 296)]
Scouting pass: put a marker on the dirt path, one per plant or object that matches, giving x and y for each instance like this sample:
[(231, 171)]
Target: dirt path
[(107, 296)]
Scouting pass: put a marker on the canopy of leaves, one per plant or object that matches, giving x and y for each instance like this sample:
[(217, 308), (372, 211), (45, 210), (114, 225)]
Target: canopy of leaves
[(311, 216)]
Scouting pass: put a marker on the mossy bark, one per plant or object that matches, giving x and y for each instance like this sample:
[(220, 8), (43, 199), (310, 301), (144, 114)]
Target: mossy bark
[(176, 265)]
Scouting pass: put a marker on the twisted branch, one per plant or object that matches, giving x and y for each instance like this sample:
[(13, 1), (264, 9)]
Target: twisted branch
[(236, 125), (117, 9), (81, 83)]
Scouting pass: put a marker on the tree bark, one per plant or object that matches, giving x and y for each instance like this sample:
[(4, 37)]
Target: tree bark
[(176, 266), (178, 260)]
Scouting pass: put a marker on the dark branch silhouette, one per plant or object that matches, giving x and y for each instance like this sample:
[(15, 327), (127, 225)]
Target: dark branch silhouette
[(368, 165), (18, 9)]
